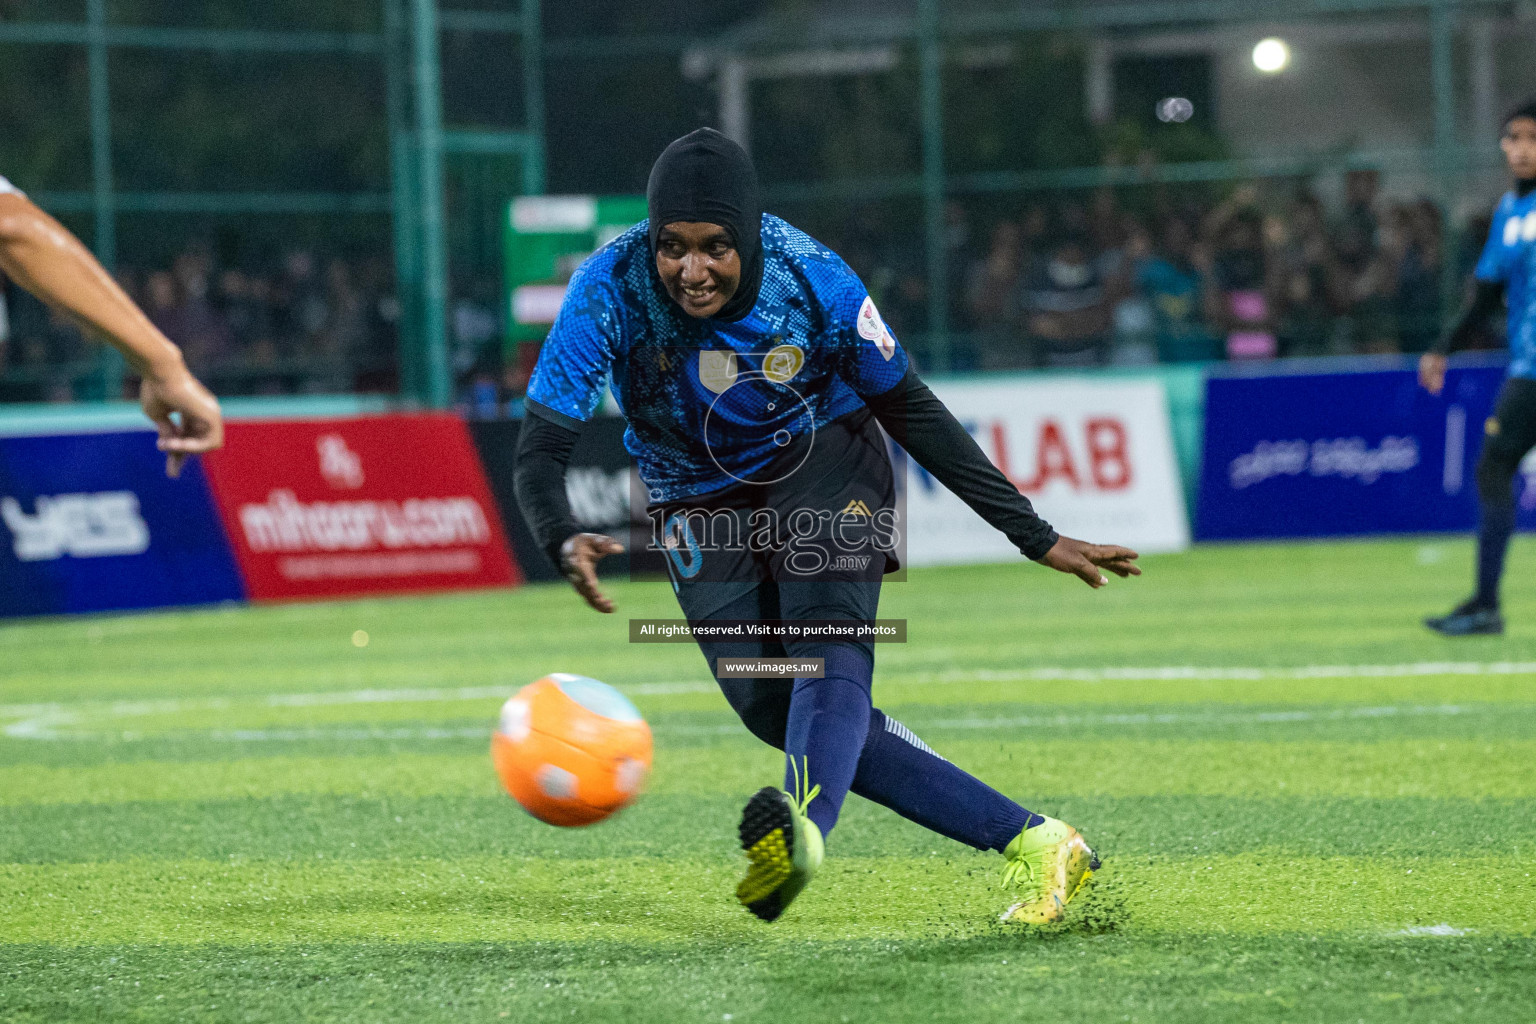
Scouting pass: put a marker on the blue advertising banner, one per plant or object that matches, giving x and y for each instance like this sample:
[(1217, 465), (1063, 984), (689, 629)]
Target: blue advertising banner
[(90, 522), (1329, 454)]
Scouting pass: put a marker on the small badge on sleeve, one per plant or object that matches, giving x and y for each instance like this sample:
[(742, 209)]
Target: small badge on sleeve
[(870, 324), (872, 328)]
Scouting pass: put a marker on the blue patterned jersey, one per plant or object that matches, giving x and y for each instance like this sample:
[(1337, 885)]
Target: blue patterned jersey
[(709, 403), (1509, 258)]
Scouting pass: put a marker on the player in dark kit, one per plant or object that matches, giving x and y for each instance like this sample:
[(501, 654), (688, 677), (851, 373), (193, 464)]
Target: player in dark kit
[(1505, 273), (753, 369)]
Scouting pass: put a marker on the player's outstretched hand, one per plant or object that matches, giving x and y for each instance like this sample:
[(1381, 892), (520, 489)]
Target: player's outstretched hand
[(198, 425), (1432, 372), (1086, 561), (579, 556)]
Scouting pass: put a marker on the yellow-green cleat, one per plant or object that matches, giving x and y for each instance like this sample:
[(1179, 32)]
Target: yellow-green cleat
[(783, 846), (1052, 862)]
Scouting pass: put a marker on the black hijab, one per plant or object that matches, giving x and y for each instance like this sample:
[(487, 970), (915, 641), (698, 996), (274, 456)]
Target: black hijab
[(705, 177)]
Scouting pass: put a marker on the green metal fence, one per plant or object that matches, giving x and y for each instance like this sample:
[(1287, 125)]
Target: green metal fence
[(405, 45)]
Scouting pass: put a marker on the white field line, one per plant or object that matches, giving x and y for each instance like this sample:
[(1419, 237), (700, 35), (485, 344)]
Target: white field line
[(41, 721), (289, 735), (1171, 673), (1175, 673), (171, 706), (1229, 717), (48, 728), (1433, 930)]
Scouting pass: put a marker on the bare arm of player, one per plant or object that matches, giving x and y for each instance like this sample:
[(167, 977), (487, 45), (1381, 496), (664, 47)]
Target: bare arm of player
[(41, 255)]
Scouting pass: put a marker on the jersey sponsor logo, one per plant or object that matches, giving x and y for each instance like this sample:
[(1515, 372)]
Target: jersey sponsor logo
[(856, 507), (782, 362), (79, 525), (886, 344), (1520, 229), (717, 370)]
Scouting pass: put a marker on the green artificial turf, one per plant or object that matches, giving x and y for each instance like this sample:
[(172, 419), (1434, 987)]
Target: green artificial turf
[(1310, 807)]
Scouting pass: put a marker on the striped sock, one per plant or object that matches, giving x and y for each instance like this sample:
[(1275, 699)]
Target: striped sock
[(898, 770)]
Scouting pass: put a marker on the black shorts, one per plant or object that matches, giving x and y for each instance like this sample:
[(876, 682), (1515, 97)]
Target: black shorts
[(833, 519), (1511, 431), (815, 545)]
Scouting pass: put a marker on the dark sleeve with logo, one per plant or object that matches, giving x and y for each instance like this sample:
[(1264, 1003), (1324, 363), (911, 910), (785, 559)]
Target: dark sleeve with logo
[(543, 451), (919, 422)]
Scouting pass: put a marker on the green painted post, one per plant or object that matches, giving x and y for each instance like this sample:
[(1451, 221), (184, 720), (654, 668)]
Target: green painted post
[(403, 199), (533, 98), (1442, 42), (436, 381), (930, 58), (101, 135), (103, 199)]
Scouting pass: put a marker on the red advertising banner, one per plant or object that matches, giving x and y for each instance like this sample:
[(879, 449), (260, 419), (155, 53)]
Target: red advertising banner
[(375, 504)]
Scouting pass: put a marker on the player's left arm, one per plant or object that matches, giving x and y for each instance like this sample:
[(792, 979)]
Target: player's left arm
[(877, 368), (1488, 286), (42, 256)]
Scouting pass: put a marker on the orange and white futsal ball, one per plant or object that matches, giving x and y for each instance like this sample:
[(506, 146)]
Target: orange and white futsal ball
[(571, 750)]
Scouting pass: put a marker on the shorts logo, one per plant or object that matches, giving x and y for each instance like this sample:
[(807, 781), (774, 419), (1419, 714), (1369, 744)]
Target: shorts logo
[(682, 547), (717, 370), (1491, 426), (856, 507), (782, 362)]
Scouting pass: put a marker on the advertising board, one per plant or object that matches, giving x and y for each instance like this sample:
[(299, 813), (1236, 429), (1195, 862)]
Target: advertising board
[(1333, 454), (373, 504), (90, 522), (1096, 458)]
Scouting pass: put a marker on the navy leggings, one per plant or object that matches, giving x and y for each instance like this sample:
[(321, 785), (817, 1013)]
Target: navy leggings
[(831, 726)]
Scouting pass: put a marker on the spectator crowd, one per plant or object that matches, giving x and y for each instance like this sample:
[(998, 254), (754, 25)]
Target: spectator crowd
[(1253, 276), (1071, 282), (302, 325)]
